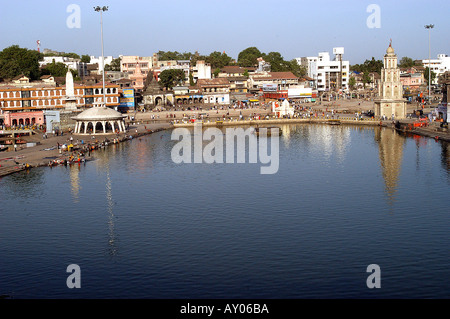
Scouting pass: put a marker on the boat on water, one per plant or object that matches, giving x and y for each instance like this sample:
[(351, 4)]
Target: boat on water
[(3, 148), (269, 131)]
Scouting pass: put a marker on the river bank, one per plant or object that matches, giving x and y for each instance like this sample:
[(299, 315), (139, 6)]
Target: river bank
[(46, 149), (143, 123)]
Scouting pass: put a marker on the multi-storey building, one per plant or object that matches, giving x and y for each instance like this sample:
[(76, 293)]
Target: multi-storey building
[(201, 70), (281, 80), (128, 63), (310, 64), (332, 74), (47, 96), (215, 91), (438, 66)]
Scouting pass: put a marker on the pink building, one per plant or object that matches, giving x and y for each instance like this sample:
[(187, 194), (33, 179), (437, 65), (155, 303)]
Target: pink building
[(24, 118), (128, 64), (412, 81)]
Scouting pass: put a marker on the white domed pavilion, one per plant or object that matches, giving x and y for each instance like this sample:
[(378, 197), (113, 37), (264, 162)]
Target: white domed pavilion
[(99, 119)]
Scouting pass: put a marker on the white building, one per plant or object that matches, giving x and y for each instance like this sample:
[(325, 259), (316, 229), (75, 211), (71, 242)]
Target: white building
[(71, 63), (329, 74), (310, 64), (438, 66), (202, 70), (94, 60), (285, 109)]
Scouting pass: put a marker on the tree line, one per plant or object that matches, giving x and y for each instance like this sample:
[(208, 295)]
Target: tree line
[(246, 58), (372, 65), (15, 61)]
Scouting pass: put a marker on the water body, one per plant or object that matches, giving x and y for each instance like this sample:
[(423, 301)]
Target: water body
[(141, 226)]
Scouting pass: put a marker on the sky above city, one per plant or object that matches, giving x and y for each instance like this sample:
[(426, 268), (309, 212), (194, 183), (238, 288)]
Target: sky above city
[(294, 28)]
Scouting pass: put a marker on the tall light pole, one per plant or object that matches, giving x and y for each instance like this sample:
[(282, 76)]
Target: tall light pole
[(101, 9), (429, 27)]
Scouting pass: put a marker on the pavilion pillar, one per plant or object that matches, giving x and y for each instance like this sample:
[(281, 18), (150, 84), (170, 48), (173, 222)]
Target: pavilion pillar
[(94, 124), (112, 125), (104, 126), (85, 126)]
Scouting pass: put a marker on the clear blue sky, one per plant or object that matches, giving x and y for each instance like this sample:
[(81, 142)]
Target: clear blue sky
[(295, 28)]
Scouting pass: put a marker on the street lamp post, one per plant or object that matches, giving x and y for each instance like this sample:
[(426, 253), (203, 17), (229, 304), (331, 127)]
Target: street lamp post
[(101, 9), (429, 27)]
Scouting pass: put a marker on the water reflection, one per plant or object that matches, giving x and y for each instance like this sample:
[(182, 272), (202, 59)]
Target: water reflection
[(390, 146), (103, 159), (75, 181), (112, 242), (26, 183), (445, 158)]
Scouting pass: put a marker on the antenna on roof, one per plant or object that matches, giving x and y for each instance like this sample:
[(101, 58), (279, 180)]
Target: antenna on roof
[(38, 45)]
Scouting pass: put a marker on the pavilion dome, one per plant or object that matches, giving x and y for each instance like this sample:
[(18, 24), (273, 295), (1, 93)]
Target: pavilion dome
[(390, 50), (99, 114)]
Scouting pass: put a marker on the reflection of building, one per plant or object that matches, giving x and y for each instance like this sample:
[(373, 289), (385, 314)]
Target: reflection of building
[(390, 91), (390, 145)]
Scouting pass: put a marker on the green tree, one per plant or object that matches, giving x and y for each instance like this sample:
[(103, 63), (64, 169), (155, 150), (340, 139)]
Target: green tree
[(218, 59), (296, 68), (372, 65), (114, 65), (406, 62), (57, 69), (216, 72), (249, 56), (75, 75), (277, 62), (352, 82), (85, 58), (368, 66), (71, 55), (366, 79), (171, 77), (15, 61), (191, 79), (426, 74), (173, 55), (245, 73)]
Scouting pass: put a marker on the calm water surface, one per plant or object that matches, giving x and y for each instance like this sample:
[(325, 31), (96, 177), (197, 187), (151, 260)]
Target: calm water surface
[(141, 226)]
